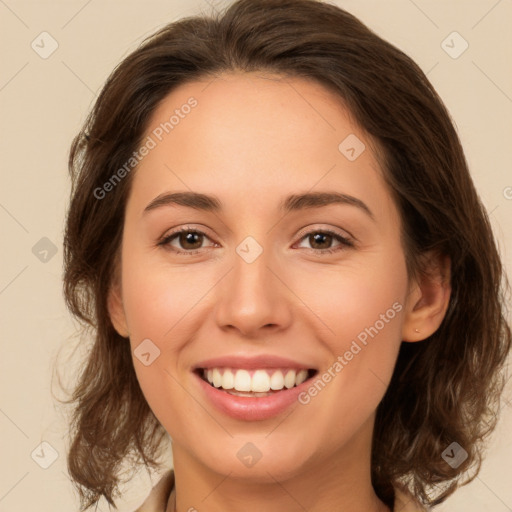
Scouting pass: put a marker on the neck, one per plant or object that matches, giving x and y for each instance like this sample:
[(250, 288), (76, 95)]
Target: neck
[(340, 480)]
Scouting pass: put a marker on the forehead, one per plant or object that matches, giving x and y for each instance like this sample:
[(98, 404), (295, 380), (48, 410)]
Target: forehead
[(256, 112), (258, 134)]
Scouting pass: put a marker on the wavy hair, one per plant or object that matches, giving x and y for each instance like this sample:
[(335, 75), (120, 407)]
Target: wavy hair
[(445, 389)]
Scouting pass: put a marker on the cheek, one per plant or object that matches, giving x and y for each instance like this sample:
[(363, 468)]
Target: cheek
[(355, 300), (163, 304), (358, 310), (158, 298), (160, 306)]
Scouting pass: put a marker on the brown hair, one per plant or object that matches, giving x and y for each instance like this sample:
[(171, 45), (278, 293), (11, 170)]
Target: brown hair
[(445, 389)]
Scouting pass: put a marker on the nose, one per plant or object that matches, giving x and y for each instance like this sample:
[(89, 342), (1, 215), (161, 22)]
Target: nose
[(253, 298)]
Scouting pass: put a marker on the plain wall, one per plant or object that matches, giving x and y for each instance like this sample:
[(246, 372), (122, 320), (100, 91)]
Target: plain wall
[(43, 103)]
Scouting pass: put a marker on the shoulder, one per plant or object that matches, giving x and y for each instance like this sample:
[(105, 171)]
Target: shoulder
[(159, 495)]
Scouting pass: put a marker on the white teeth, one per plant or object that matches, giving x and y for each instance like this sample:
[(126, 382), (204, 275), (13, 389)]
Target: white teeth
[(277, 381), (217, 378), (289, 379), (228, 380), (261, 381), (301, 377), (242, 380)]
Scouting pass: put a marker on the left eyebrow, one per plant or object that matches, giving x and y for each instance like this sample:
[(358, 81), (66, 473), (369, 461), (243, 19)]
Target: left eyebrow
[(319, 199), (294, 202)]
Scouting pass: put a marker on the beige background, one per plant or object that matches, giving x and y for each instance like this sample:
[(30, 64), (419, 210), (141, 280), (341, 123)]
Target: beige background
[(43, 103)]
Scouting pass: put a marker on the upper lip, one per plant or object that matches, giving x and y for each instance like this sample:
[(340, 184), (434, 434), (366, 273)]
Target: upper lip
[(252, 362)]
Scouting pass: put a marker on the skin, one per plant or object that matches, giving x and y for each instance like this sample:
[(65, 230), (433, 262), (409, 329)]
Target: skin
[(252, 140)]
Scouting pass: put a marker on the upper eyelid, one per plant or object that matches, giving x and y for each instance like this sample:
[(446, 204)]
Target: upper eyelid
[(185, 229), (343, 233)]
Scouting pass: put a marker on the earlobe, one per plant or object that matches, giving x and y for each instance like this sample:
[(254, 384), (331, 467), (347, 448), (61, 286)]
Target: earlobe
[(428, 300), (116, 311)]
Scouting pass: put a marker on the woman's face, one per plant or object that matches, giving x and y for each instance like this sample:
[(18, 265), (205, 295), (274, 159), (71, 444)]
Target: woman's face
[(262, 279)]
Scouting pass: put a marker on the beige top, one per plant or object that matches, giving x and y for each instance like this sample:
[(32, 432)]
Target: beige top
[(164, 491)]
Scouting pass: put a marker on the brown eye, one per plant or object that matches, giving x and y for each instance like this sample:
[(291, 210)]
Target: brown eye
[(190, 240), (184, 241), (320, 240)]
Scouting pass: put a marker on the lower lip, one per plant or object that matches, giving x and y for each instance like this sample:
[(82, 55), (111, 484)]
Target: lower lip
[(252, 408)]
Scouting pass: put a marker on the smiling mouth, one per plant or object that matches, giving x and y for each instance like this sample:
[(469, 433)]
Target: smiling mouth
[(256, 382)]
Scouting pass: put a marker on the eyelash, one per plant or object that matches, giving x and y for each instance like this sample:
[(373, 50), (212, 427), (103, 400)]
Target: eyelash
[(344, 242)]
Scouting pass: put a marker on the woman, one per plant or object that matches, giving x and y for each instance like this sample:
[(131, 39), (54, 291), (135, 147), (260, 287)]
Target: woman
[(275, 235)]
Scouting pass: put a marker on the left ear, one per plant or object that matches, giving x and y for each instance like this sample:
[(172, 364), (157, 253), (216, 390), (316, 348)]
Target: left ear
[(428, 299)]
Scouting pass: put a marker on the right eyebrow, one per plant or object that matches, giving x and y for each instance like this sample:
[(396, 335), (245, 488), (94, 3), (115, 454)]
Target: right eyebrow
[(191, 199)]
